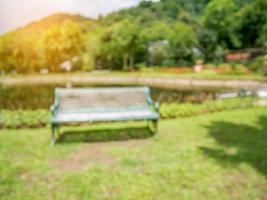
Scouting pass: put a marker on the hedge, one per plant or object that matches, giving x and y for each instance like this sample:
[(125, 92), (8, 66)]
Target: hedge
[(41, 117)]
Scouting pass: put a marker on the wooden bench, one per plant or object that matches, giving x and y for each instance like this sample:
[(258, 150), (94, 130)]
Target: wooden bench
[(78, 105)]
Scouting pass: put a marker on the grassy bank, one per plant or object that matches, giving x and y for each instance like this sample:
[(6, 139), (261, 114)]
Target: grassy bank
[(219, 156), (150, 72)]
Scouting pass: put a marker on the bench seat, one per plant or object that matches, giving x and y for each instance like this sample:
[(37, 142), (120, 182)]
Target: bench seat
[(76, 105), (109, 116)]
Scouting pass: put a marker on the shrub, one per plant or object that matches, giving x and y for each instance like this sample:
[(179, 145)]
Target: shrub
[(172, 110), (40, 118), (24, 118), (259, 64)]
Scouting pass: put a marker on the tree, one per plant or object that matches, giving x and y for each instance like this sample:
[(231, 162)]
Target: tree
[(157, 30), (120, 45), (52, 46), (72, 37), (61, 43), (19, 52), (183, 40), (153, 37), (219, 17), (262, 40), (92, 43), (7, 63), (159, 53), (252, 20)]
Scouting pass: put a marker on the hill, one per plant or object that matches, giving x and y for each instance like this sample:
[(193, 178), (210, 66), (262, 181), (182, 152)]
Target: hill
[(167, 10), (52, 20), (191, 30)]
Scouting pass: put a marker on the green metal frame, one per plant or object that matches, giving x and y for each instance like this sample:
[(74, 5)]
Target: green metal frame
[(54, 109)]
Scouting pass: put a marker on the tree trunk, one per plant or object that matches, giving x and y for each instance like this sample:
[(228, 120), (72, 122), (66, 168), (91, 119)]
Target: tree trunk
[(131, 62), (125, 61)]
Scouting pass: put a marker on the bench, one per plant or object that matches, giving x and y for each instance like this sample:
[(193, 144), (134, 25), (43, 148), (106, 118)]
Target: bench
[(77, 105)]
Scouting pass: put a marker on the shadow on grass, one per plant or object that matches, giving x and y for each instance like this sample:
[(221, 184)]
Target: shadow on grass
[(239, 143), (105, 135)]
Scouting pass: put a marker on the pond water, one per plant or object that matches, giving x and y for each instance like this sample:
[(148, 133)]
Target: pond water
[(42, 95)]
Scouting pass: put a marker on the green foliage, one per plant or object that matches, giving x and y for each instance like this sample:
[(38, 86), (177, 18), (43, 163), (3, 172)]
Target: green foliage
[(92, 45), (120, 45), (122, 39), (155, 31), (219, 16), (174, 110), (61, 43), (159, 54), (259, 64), (183, 40), (236, 24), (40, 118), (253, 22), (181, 37), (262, 40), (43, 44), (18, 52), (24, 118), (6, 52)]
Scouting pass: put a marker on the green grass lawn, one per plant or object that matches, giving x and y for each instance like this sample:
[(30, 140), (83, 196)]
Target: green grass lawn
[(213, 156)]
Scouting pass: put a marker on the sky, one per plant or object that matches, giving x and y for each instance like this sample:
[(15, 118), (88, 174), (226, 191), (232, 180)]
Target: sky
[(18, 13)]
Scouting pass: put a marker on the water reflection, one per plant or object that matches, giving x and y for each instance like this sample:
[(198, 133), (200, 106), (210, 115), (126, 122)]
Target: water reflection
[(42, 95)]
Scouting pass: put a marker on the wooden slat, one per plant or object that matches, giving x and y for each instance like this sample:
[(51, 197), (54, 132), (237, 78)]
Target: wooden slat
[(79, 117), (101, 98)]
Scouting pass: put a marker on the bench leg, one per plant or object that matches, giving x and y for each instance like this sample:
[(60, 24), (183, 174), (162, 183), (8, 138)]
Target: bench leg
[(155, 126), (53, 137)]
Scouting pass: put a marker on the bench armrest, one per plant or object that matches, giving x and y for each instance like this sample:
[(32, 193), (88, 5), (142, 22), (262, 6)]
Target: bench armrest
[(156, 106), (53, 108), (55, 105)]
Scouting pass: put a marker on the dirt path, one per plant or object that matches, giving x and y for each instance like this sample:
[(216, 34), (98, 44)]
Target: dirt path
[(95, 153)]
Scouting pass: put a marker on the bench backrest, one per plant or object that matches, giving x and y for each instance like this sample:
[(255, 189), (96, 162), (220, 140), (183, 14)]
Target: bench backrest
[(102, 99)]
